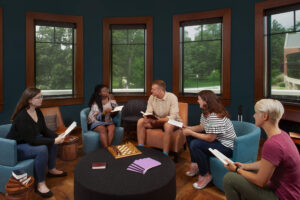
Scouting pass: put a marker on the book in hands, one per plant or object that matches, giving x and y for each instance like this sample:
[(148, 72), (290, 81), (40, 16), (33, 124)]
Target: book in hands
[(98, 165), (149, 115), (117, 109), (19, 174), (220, 156), (175, 123), (69, 129)]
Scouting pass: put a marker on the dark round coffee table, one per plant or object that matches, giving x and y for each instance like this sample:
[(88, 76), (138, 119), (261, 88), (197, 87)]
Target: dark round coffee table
[(115, 182)]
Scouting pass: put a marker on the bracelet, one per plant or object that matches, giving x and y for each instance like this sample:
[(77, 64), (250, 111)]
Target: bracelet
[(236, 169)]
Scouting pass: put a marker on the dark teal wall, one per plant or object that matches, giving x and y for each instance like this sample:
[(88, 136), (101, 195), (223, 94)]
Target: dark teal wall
[(93, 11)]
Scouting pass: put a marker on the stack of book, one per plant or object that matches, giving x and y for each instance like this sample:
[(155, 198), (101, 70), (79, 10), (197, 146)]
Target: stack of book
[(21, 176), (143, 165), (98, 165)]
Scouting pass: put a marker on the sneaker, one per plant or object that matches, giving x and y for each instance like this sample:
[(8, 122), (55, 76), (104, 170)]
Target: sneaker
[(202, 182), (193, 170)]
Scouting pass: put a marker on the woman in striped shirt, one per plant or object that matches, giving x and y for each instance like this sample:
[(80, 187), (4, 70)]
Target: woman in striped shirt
[(215, 131)]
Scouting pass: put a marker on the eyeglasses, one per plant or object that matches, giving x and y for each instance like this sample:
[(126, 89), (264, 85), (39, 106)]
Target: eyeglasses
[(38, 97), (105, 90)]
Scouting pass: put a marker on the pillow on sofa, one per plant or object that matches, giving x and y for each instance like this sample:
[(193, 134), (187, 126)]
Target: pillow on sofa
[(51, 122)]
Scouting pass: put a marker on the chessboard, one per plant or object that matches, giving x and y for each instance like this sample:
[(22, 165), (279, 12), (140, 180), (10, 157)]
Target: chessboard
[(123, 150)]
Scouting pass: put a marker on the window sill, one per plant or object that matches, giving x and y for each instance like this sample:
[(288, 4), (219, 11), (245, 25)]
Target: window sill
[(61, 101), (194, 100), (123, 98)]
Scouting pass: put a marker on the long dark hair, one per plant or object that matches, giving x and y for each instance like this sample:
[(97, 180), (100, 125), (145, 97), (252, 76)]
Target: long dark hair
[(96, 97), (28, 94), (213, 104)]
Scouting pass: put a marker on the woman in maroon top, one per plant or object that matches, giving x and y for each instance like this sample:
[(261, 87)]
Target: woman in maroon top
[(277, 174)]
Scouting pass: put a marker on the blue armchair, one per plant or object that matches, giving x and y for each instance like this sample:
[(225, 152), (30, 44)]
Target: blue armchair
[(245, 150), (90, 139), (8, 158)]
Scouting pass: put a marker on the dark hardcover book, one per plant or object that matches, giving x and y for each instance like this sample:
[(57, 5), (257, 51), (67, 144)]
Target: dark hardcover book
[(98, 165), (149, 115)]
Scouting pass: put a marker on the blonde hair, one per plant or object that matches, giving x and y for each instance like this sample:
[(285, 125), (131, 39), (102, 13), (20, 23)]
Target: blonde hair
[(160, 83), (272, 107)]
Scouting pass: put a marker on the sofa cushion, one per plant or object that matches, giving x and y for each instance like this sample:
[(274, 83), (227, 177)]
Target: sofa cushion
[(51, 122)]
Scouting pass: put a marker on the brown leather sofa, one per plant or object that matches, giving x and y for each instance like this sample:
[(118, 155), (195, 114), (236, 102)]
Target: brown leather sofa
[(154, 137)]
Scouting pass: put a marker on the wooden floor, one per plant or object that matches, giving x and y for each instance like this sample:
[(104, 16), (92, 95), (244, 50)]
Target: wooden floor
[(62, 188)]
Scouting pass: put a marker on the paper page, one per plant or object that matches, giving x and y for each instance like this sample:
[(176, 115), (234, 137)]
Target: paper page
[(149, 115), (175, 123), (69, 129), (117, 109), (220, 156)]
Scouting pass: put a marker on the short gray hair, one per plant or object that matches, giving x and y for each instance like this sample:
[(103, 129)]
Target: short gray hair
[(272, 107)]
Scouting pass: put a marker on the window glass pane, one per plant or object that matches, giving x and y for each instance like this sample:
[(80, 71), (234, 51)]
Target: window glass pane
[(63, 35), (44, 33), (192, 33), (282, 22), (212, 31), (128, 61), (136, 36), (298, 20), (285, 66), (119, 36), (54, 61), (202, 66)]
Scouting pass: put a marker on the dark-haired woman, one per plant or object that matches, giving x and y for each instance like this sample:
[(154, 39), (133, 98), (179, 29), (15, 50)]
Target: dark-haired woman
[(34, 139), (100, 116), (215, 131)]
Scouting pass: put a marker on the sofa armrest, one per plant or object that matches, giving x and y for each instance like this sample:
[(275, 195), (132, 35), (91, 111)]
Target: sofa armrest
[(117, 119), (246, 147), (8, 152)]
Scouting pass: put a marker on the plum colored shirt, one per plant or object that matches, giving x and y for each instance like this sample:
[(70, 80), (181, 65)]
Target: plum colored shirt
[(281, 151)]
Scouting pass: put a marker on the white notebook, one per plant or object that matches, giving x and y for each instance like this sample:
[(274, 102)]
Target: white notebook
[(175, 123), (220, 156), (69, 129), (117, 109)]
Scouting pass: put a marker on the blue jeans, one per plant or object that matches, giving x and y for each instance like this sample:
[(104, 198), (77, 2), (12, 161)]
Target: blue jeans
[(43, 155), (200, 153)]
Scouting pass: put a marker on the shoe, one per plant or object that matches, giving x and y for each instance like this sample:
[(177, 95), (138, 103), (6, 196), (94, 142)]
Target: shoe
[(45, 195), (202, 181), (56, 175), (193, 170)]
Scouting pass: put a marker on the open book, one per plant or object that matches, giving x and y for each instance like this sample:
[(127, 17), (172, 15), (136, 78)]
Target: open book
[(220, 156), (117, 109), (69, 129), (175, 123), (149, 115)]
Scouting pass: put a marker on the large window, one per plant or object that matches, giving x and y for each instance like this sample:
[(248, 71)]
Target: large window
[(201, 55), (55, 57), (199, 59), (282, 50), (127, 56)]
